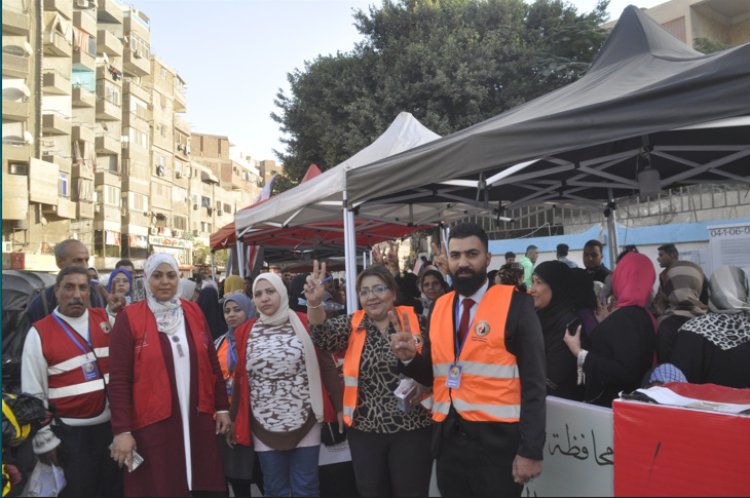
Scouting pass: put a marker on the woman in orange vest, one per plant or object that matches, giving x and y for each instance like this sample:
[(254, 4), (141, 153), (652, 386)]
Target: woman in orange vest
[(280, 394), (389, 440), (166, 392), (238, 459)]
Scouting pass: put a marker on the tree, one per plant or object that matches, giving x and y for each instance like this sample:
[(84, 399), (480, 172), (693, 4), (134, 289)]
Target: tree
[(451, 63)]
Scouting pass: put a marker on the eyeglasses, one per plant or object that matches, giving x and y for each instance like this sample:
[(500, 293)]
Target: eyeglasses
[(377, 290)]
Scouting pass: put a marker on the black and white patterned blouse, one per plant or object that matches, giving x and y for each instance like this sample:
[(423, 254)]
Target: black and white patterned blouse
[(376, 410), (279, 389)]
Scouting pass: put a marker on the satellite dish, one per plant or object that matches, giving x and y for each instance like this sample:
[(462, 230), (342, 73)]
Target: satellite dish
[(43, 221)]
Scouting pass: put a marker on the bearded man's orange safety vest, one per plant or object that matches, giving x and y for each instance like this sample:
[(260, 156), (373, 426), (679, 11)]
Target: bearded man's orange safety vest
[(490, 388), (354, 354)]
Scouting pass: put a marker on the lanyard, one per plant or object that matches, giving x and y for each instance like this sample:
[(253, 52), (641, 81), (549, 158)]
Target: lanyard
[(71, 335)]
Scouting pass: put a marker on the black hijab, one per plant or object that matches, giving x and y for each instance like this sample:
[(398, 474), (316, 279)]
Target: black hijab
[(582, 289), (208, 301), (556, 275)]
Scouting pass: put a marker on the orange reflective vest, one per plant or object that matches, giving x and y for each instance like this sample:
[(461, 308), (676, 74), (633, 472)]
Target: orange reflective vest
[(354, 354), (152, 399), (68, 389), (490, 389)]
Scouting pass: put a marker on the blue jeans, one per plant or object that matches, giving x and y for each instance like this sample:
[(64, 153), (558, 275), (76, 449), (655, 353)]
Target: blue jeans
[(294, 471)]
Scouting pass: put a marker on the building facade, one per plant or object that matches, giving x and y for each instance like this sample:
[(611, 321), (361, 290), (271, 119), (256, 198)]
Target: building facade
[(96, 145)]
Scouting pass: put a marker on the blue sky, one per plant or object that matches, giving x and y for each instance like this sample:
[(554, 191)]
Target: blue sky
[(235, 55)]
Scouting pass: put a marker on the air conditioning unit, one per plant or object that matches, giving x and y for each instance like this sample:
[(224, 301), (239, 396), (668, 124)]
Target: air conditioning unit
[(178, 174), (137, 54), (153, 231), (195, 207), (195, 233), (7, 246), (84, 4), (177, 233)]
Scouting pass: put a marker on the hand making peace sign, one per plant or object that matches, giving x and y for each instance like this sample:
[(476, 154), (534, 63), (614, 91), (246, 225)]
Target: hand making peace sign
[(314, 288)]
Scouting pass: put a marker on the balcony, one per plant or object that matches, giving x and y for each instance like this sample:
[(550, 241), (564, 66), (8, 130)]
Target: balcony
[(15, 111), (109, 11), (65, 208), (180, 103), (83, 98), (16, 206), (15, 21), (55, 83), (136, 62), (63, 163), (107, 111), (105, 212), (84, 59), (15, 66), (85, 21), (82, 133), (103, 73), (181, 124), (55, 124), (107, 145), (85, 210), (108, 43), (132, 88), (138, 119), (63, 7), (55, 45), (44, 188), (83, 171)]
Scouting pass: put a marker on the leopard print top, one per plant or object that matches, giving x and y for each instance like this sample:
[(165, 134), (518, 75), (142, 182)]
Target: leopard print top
[(376, 410)]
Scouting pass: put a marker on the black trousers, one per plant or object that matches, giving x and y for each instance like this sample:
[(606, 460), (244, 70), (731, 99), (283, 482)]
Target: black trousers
[(397, 464), (476, 459), (84, 456)]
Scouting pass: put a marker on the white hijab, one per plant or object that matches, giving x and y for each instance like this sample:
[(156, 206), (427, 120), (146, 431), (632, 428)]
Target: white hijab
[(286, 315), (168, 314)]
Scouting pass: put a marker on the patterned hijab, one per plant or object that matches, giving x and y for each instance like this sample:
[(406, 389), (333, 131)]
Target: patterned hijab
[(683, 286), (168, 314), (728, 323)]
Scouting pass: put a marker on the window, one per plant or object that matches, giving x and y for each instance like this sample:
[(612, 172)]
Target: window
[(109, 195), (138, 107), (83, 190), (18, 168), (107, 163), (163, 130), (92, 46), (227, 208), (205, 227), (109, 91), (218, 205), (138, 137), (63, 185), (179, 223), (205, 202), (178, 171), (179, 194), (138, 202), (163, 73)]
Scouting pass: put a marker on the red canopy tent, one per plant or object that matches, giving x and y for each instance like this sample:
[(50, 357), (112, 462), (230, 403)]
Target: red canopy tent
[(226, 236)]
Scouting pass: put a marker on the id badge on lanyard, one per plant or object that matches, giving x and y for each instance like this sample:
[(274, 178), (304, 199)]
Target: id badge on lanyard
[(90, 372), (454, 376)]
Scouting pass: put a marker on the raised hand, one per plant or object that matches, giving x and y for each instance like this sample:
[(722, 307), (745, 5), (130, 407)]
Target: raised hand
[(314, 289), (402, 342), (440, 259), (115, 302)]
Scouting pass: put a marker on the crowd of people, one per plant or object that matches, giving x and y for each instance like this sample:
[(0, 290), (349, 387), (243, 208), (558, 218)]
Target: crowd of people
[(166, 386)]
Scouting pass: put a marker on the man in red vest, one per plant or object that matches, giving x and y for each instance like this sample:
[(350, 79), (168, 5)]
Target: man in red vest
[(484, 357), (66, 364)]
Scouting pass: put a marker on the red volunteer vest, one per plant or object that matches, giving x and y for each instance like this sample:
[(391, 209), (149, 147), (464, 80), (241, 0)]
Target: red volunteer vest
[(68, 390), (354, 354), (152, 398), (490, 388), (242, 432)]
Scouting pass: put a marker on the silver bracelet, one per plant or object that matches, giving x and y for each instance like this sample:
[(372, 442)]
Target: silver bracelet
[(314, 307)]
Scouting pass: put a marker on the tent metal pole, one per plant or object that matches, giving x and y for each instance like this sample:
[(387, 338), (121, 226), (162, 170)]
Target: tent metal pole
[(612, 242), (364, 259), (350, 257), (213, 264), (240, 258)]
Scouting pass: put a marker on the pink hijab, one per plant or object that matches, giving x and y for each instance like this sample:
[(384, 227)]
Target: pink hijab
[(633, 281)]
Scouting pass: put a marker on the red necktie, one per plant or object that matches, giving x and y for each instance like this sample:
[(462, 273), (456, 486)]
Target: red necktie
[(463, 327)]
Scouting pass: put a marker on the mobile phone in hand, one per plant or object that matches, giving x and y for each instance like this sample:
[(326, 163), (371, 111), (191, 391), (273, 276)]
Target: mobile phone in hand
[(573, 325)]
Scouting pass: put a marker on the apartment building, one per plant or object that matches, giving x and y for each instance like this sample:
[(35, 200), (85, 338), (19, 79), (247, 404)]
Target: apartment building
[(268, 168), (222, 175), (96, 145), (723, 21)]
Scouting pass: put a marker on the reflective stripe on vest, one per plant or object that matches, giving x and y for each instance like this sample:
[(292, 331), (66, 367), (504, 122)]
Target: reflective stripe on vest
[(354, 355), (490, 389), (73, 395)]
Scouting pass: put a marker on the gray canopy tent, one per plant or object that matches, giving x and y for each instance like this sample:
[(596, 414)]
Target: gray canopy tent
[(650, 113)]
